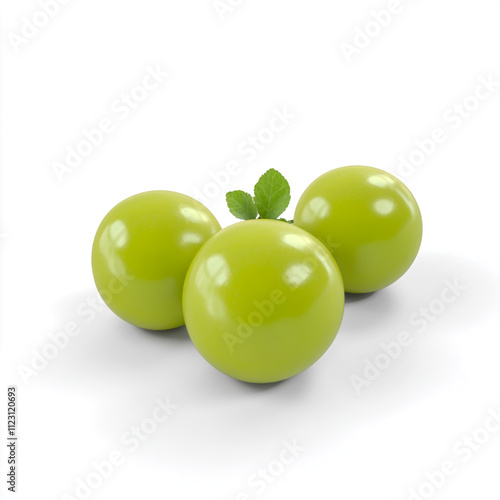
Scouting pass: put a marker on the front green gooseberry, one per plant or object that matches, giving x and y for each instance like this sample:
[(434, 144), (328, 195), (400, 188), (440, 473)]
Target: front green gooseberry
[(263, 300)]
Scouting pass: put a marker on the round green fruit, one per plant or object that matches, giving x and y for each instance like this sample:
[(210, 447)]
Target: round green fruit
[(368, 219), (142, 251), (263, 300)]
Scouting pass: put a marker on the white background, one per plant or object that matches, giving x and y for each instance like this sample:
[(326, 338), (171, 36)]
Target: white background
[(225, 78)]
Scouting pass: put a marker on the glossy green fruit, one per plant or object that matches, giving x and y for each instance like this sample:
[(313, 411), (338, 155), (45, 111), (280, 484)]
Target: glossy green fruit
[(142, 251), (369, 221), (263, 300)]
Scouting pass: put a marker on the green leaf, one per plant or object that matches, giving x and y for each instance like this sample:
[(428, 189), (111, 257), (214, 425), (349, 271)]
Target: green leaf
[(272, 194), (241, 205)]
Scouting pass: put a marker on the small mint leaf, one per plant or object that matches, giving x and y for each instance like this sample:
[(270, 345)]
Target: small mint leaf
[(241, 205), (272, 194)]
